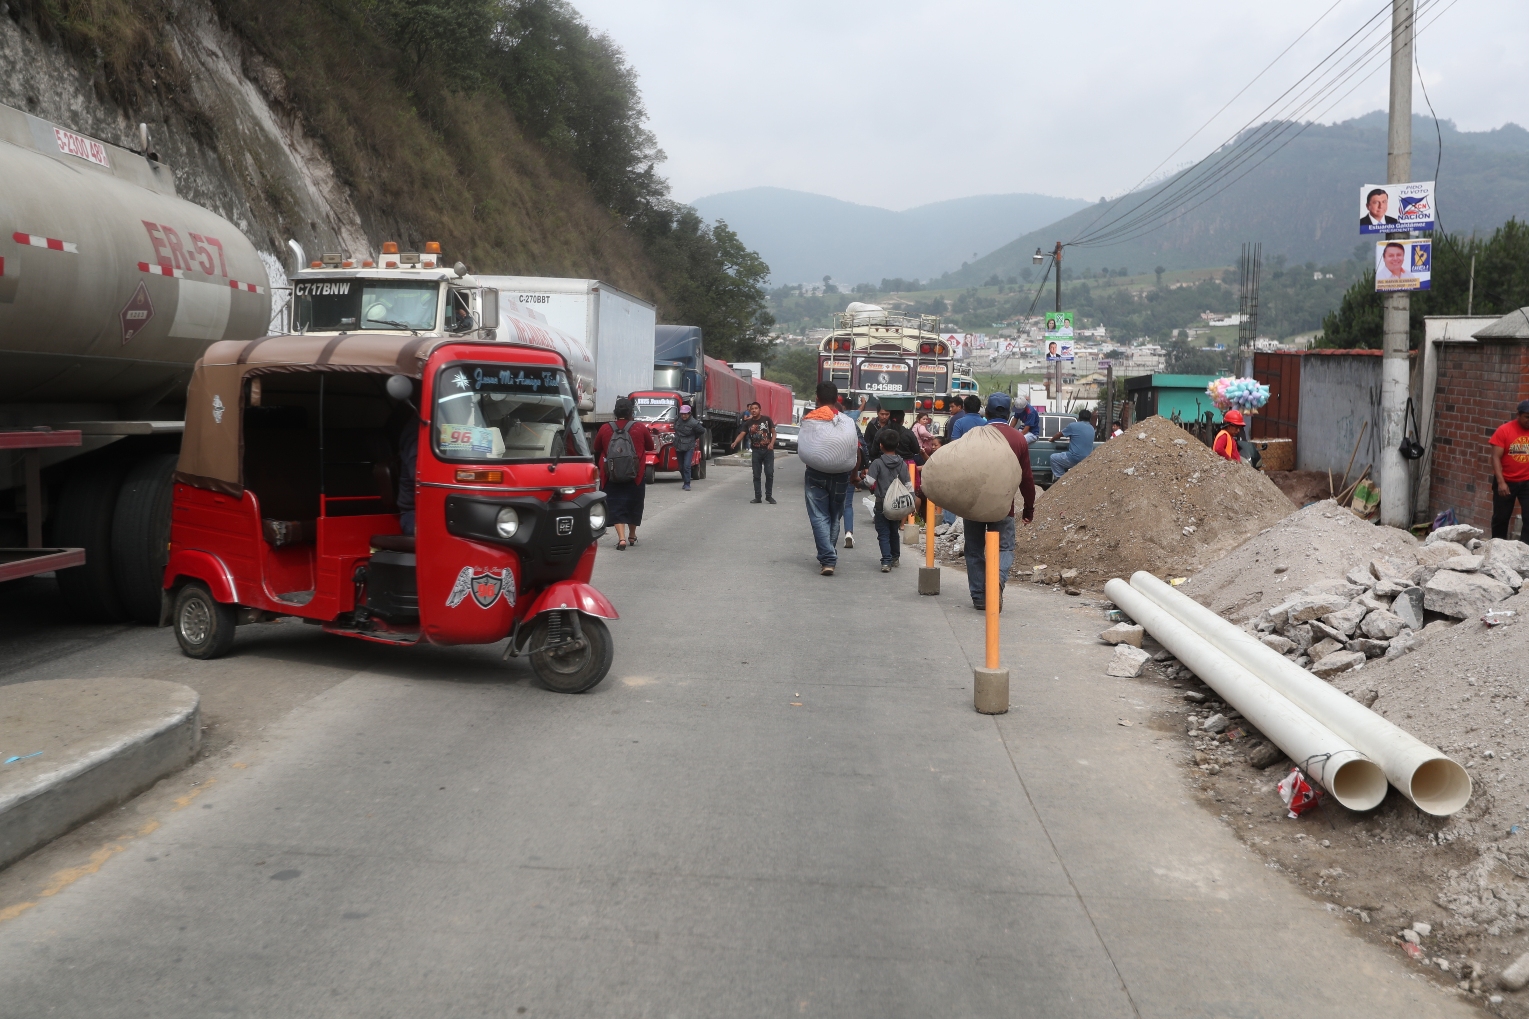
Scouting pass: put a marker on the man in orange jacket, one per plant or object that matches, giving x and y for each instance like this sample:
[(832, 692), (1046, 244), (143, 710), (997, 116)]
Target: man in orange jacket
[(1226, 439)]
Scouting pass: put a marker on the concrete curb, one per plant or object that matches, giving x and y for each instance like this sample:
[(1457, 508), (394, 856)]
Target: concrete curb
[(101, 741)]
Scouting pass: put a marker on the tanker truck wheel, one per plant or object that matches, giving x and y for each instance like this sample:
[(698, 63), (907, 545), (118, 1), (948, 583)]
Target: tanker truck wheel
[(572, 671), (83, 519), (204, 626), (140, 537), (699, 471)]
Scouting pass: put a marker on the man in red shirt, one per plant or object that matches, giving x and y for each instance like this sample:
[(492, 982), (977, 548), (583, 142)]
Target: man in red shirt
[(1510, 474), (976, 532)]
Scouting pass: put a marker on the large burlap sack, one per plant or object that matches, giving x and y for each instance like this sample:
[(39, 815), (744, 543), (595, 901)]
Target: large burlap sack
[(976, 477), (831, 446)]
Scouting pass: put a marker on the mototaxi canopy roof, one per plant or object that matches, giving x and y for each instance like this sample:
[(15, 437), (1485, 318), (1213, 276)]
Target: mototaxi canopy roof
[(212, 449)]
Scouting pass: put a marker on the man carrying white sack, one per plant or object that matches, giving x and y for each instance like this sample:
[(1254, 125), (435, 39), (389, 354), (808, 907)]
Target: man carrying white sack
[(829, 447), (976, 538)]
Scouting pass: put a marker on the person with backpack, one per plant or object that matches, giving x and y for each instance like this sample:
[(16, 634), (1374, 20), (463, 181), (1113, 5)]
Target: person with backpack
[(619, 448), (884, 470)]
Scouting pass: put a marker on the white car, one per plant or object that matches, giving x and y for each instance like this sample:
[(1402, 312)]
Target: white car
[(785, 437)]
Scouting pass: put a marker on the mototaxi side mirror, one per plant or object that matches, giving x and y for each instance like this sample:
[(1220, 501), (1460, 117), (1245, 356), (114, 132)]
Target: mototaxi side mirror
[(400, 387), (489, 312)]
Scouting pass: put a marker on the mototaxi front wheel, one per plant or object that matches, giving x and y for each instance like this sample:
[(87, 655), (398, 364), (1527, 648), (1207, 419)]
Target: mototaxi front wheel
[(563, 667), (204, 626)]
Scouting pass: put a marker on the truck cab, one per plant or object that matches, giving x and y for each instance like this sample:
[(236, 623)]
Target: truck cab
[(660, 411), (400, 291)]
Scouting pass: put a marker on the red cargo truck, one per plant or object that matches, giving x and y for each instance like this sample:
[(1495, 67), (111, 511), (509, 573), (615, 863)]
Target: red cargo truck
[(774, 400)]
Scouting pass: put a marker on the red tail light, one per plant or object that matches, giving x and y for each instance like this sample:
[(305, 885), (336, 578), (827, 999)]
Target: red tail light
[(481, 476)]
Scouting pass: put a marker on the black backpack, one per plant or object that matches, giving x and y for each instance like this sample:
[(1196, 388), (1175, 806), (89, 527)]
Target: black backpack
[(621, 455)]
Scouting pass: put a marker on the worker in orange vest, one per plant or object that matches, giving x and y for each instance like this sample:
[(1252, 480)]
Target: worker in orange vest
[(1226, 439)]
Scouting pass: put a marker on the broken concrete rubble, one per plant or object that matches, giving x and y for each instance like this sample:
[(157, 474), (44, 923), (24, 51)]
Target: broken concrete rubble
[(1408, 607), (1315, 607), (1124, 633), (1462, 595), (1433, 555), (1382, 624), (1346, 618), (1324, 647), (1127, 661), (1337, 662), (1452, 533)]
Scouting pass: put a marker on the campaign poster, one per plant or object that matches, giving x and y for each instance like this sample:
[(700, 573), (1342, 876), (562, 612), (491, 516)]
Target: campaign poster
[(1403, 265), (1397, 208), (1059, 350), (1058, 325)]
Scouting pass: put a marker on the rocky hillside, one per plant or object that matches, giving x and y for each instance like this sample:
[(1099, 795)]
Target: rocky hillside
[(295, 122)]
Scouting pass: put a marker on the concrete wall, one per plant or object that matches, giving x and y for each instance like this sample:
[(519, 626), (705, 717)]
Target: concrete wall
[(1479, 387), (1339, 393)]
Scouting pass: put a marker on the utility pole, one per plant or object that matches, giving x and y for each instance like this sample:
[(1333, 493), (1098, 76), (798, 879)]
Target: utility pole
[(1056, 259), (1395, 489)]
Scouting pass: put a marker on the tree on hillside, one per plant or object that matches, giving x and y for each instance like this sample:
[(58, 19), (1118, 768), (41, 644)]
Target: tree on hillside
[(1502, 284), (712, 281), (1159, 270), (796, 367)]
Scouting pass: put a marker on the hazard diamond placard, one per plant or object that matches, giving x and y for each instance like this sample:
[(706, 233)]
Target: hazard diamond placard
[(137, 312)]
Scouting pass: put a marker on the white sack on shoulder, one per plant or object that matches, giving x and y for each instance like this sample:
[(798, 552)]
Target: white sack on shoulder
[(831, 447), (975, 477)]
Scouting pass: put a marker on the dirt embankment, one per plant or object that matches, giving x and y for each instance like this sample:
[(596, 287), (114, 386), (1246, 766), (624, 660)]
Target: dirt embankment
[(1154, 499)]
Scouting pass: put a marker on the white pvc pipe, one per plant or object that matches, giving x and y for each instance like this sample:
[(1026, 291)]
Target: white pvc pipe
[(1353, 779), (1428, 778)]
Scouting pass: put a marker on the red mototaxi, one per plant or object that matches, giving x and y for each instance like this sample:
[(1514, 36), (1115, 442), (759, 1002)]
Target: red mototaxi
[(286, 499), (659, 409)]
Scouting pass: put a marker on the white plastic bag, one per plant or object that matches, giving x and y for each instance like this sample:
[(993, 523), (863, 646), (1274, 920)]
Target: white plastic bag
[(897, 503)]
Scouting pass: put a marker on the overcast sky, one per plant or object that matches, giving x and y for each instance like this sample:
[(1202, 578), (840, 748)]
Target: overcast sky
[(901, 102)]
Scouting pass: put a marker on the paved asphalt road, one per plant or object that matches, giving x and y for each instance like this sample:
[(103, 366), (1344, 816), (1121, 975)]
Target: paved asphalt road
[(779, 804)]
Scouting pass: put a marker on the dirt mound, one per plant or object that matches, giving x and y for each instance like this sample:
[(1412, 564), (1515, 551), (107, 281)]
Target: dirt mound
[(1319, 542), (1156, 499)]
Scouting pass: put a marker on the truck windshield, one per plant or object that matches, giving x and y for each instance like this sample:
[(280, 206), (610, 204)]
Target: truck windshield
[(652, 409), (355, 304), (506, 412)]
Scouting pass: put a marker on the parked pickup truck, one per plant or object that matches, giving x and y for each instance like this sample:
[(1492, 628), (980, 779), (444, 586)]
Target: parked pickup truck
[(1042, 448)]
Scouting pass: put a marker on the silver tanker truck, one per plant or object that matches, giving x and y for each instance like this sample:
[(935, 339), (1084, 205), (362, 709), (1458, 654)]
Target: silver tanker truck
[(110, 289)]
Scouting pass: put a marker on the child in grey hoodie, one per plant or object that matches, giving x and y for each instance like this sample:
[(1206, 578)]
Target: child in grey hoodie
[(879, 476)]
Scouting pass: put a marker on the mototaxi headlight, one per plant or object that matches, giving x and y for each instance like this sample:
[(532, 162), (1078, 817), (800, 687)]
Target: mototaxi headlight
[(597, 516), (507, 522)]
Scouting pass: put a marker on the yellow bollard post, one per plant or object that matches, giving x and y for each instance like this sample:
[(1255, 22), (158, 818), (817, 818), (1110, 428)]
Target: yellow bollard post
[(910, 528), (929, 573), (990, 684)]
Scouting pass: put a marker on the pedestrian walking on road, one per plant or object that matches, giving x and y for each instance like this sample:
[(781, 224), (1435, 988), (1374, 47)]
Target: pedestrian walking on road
[(689, 443), (619, 446), (883, 470), (829, 450), (856, 477), (976, 531), (1510, 474), (1080, 442), (759, 430), (873, 426)]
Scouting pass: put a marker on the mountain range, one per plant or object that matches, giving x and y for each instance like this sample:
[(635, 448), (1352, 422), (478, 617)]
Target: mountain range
[(804, 237), (1301, 202)]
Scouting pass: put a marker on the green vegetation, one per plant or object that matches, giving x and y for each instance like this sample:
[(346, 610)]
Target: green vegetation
[(797, 367), (505, 129), (1502, 285)]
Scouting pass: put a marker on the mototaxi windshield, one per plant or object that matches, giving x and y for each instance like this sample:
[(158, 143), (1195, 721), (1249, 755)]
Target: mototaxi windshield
[(499, 413)]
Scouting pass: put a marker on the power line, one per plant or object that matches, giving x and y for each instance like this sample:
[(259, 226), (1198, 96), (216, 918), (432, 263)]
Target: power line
[(1140, 228), (1214, 164)]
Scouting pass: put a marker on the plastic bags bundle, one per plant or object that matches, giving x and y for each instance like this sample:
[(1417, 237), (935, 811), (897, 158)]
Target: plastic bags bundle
[(1237, 394), (831, 446), (975, 477)]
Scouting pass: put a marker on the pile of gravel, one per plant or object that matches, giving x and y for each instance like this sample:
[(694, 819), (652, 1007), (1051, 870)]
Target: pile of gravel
[(1155, 499)]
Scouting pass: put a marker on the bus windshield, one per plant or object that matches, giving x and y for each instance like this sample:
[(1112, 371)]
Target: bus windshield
[(502, 412)]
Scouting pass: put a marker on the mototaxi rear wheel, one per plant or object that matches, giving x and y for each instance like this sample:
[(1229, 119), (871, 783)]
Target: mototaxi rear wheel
[(204, 626), (571, 670)]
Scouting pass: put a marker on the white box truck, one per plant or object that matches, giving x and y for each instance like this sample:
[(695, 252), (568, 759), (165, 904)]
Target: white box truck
[(615, 326)]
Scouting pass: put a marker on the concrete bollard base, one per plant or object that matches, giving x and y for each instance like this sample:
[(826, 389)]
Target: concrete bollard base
[(990, 690), (928, 580)]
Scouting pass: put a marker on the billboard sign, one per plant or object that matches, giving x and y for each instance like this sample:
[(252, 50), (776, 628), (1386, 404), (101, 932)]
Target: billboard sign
[(1403, 265), (1058, 325), (1397, 208), (1059, 350)]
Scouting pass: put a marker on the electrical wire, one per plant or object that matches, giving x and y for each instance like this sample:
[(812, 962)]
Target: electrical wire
[(1253, 81), (1438, 136), (1262, 114), (1124, 231), (1245, 146)]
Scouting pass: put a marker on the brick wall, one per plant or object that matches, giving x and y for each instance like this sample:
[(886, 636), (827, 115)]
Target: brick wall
[(1480, 385)]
